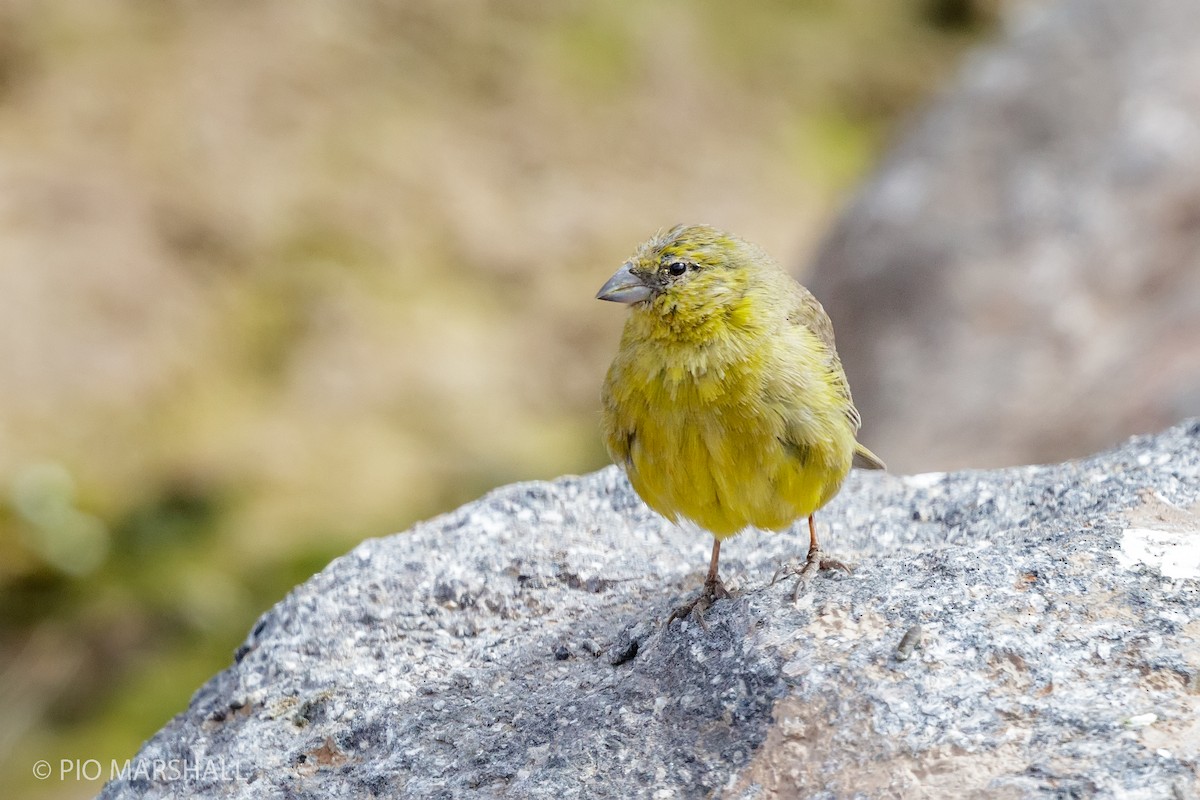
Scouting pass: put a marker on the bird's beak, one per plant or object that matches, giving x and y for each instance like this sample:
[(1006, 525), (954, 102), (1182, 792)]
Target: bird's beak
[(624, 287)]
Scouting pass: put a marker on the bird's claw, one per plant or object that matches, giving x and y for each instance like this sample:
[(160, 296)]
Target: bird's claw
[(713, 591), (804, 574)]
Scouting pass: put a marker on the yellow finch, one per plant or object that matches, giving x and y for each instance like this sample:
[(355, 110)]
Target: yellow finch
[(726, 403)]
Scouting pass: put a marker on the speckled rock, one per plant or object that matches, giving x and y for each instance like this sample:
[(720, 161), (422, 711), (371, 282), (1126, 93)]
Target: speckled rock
[(1029, 632)]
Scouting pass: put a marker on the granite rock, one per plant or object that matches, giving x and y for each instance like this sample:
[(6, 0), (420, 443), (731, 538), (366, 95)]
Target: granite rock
[(1026, 632)]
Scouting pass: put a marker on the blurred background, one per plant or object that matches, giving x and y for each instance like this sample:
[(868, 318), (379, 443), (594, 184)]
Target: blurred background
[(276, 277)]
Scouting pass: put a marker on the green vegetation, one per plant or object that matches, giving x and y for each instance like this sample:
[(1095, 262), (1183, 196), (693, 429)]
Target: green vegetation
[(278, 277)]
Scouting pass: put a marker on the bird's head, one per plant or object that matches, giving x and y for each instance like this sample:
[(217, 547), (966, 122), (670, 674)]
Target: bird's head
[(686, 274)]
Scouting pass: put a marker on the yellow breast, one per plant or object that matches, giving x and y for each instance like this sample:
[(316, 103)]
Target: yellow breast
[(728, 433)]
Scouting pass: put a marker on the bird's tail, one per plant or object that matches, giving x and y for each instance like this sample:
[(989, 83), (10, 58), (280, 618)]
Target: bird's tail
[(865, 459)]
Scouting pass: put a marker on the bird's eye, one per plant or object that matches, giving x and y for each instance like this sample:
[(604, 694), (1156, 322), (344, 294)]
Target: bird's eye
[(677, 268)]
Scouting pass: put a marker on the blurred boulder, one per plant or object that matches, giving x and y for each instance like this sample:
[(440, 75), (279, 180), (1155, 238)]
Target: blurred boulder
[(1020, 280)]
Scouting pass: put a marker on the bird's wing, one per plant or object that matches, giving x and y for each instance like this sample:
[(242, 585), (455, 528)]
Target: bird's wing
[(804, 309)]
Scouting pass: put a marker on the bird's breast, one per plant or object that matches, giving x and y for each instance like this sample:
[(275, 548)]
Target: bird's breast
[(706, 432)]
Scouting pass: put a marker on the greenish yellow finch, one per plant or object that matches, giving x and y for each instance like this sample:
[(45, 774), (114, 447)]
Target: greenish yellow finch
[(726, 403)]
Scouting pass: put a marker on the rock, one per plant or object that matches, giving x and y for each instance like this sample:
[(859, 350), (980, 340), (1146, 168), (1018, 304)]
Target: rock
[(1020, 280), (1025, 632)]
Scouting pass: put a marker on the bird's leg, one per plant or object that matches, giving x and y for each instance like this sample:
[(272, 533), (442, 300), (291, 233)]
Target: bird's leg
[(812, 565), (815, 561), (713, 590)]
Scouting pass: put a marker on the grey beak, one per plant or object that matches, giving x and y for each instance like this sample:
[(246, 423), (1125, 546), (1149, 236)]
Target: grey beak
[(624, 287)]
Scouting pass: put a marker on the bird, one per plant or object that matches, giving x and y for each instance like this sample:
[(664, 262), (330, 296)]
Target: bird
[(726, 403)]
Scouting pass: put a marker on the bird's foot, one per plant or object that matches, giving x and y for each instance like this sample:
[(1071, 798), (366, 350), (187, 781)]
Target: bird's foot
[(815, 562), (714, 590)]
